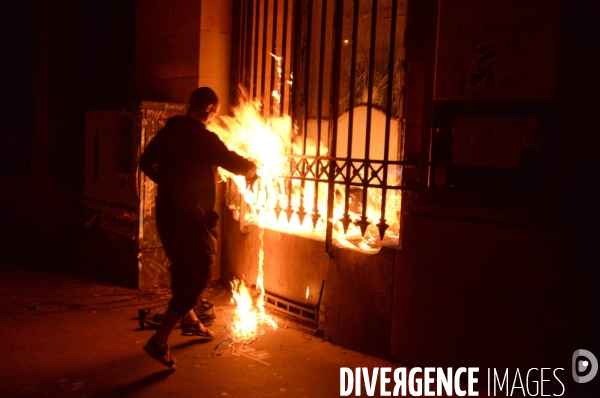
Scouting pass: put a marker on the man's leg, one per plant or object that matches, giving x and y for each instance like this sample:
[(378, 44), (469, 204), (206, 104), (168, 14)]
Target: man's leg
[(190, 318), (167, 325), (201, 330), (191, 250), (157, 346)]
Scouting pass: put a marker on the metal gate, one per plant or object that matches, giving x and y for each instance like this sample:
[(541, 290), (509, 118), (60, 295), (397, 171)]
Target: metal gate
[(345, 62)]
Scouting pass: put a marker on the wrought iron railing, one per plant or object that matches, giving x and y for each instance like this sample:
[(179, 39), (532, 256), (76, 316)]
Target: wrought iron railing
[(346, 100)]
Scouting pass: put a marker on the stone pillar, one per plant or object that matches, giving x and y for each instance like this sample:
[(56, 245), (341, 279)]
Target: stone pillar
[(167, 48), (215, 48), (215, 64), (182, 45)]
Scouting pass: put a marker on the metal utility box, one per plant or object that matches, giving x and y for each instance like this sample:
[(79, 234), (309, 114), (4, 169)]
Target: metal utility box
[(119, 200)]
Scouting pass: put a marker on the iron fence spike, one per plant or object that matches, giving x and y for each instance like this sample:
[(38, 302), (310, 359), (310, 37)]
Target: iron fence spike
[(382, 226), (346, 222), (363, 224), (277, 210), (289, 213), (315, 218), (301, 214)]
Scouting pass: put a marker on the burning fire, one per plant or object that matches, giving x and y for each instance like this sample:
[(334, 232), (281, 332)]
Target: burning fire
[(245, 322), (268, 140), (247, 316)]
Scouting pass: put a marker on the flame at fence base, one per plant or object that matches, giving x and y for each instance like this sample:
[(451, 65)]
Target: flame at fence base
[(248, 317), (286, 199)]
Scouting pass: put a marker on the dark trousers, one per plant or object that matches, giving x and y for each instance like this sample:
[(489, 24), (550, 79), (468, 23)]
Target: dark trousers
[(191, 248)]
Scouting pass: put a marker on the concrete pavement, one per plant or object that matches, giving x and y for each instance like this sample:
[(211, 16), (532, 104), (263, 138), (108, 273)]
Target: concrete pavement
[(70, 337)]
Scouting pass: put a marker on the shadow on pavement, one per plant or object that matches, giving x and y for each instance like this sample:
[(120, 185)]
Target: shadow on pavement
[(133, 387)]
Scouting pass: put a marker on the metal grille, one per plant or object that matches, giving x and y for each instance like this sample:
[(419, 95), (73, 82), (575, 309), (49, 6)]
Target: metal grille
[(347, 59), (300, 312), (261, 45)]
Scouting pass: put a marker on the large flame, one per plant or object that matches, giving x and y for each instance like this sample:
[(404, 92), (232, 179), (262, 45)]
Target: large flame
[(245, 321), (288, 205), (247, 315), (268, 139)]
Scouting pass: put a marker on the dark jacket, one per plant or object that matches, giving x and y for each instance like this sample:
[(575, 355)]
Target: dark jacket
[(180, 159)]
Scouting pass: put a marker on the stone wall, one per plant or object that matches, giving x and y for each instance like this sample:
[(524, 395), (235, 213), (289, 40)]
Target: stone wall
[(352, 291), (182, 45)]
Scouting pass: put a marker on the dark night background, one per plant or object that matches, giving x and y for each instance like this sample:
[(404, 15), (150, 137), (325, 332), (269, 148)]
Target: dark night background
[(58, 60), (18, 46), (86, 50)]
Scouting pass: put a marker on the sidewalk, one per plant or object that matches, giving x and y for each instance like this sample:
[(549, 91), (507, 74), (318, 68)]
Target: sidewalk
[(68, 337)]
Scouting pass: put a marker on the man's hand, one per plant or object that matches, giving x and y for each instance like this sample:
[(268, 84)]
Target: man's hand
[(251, 178)]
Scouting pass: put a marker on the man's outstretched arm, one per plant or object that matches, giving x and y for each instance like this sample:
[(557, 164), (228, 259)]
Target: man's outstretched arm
[(231, 161)]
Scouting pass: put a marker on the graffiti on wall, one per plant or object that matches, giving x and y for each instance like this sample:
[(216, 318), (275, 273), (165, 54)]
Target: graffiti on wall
[(498, 51)]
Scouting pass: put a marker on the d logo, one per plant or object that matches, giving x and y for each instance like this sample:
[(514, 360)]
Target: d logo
[(581, 365)]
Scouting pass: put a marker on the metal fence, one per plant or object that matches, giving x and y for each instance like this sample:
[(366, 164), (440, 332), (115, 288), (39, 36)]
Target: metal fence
[(346, 100)]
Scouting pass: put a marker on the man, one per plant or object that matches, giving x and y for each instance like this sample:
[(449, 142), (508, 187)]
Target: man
[(180, 160)]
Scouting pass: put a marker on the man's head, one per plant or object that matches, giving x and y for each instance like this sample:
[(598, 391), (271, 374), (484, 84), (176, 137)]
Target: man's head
[(204, 104)]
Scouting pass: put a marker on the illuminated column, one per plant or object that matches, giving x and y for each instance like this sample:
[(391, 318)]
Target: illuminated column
[(215, 48), (182, 45), (214, 72)]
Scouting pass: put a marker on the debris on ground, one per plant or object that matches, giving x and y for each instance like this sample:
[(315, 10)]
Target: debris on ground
[(150, 318), (217, 346)]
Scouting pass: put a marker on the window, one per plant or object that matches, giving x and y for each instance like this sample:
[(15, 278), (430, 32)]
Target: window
[(345, 61)]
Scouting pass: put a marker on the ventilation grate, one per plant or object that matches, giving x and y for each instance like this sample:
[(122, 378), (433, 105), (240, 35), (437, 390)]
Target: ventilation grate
[(303, 313)]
